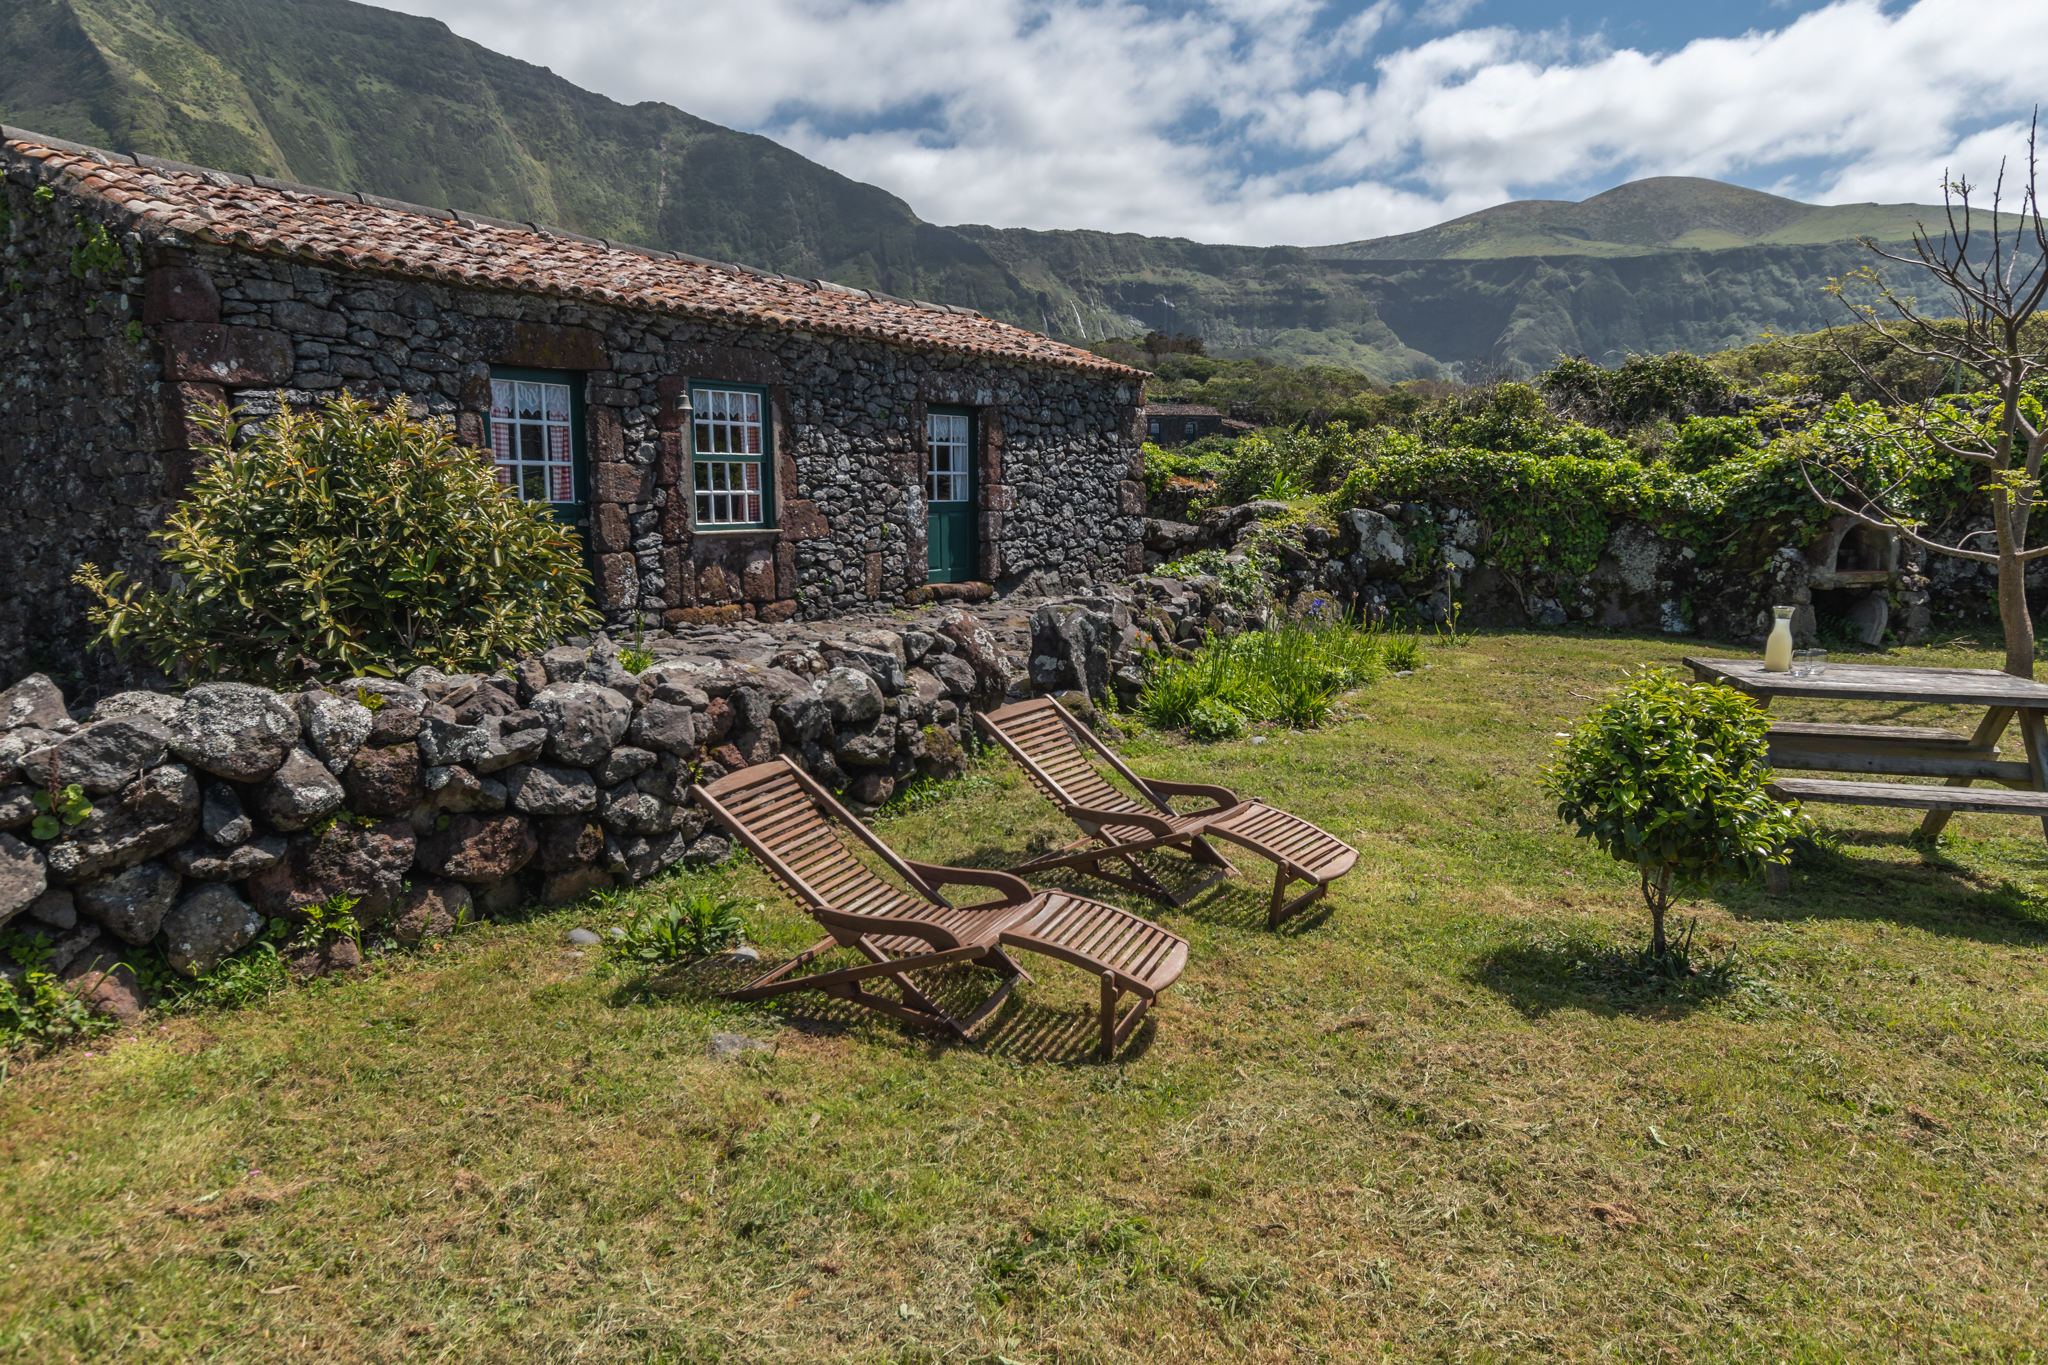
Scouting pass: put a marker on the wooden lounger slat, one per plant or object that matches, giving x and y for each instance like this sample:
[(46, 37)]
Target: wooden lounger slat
[(1060, 758), (787, 820)]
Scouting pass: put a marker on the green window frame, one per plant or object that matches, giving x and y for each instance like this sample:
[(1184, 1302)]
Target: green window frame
[(537, 438), (732, 457)]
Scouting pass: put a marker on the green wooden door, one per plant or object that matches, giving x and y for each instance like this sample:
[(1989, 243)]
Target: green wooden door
[(950, 541)]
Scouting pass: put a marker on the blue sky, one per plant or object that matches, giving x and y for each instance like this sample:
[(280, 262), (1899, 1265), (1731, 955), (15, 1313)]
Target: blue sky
[(1312, 121)]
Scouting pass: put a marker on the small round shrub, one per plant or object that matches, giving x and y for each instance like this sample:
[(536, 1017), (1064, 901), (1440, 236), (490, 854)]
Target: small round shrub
[(1213, 719), (341, 542), (1669, 777)]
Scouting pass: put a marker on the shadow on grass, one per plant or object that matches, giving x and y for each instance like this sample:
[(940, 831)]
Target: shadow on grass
[(1937, 894), (1022, 1029), (1594, 976)]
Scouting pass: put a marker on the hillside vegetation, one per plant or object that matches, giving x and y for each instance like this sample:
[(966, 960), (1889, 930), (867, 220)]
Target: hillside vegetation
[(330, 92)]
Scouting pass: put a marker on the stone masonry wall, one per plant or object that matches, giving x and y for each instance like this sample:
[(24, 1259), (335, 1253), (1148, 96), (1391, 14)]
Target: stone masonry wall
[(439, 798), (99, 375)]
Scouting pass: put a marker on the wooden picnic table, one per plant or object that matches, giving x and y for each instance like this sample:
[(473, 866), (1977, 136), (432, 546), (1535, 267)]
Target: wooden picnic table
[(1904, 750)]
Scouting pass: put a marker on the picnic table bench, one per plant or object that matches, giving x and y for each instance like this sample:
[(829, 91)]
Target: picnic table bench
[(2021, 788)]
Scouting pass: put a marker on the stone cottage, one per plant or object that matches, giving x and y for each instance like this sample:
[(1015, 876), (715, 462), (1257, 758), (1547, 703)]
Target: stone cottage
[(733, 443)]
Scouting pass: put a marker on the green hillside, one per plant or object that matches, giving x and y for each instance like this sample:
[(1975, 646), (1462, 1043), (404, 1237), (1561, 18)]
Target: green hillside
[(330, 92), (1641, 218)]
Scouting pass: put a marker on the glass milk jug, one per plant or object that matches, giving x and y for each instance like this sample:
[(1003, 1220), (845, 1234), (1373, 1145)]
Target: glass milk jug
[(1778, 649)]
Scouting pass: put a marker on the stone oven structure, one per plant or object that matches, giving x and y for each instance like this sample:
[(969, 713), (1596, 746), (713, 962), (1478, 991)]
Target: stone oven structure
[(732, 443)]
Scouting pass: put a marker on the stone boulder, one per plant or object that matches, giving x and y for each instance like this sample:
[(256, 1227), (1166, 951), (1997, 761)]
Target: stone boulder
[(851, 697), (565, 664), (221, 818), (34, 701), (14, 744), (99, 977), (301, 792), (433, 909), (567, 841), (234, 730), (1383, 551), (384, 782), (625, 809), (206, 864), (131, 903), (883, 665), (152, 815), (479, 848), (341, 860), (804, 717), (157, 705), (955, 674), (670, 727), (540, 790), (102, 757), (17, 806), (334, 727), (458, 789), (24, 876), (623, 765), (584, 721), (974, 646), (869, 745), (207, 926), (56, 907), (489, 746)]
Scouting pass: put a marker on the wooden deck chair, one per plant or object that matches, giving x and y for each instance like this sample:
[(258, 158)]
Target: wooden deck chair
[(784, 816), (1053, 749)]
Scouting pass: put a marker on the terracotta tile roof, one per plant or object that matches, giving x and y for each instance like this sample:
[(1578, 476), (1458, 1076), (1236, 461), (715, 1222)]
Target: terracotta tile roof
[(169, 200)]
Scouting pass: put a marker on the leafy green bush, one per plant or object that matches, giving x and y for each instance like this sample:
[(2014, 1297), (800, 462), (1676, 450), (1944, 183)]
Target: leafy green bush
[(705, 923), (1243, 585), (1290, 674), (1214, 718), (348, 541), (1669, 777)]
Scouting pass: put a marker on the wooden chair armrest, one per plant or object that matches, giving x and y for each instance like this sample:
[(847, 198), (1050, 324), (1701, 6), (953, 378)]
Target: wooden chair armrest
[(892, 926), (1016, 889), (1151, 824), (1222, 796)]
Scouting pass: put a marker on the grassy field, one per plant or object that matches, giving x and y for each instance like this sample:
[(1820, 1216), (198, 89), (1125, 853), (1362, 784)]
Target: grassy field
[(1434, 1120)]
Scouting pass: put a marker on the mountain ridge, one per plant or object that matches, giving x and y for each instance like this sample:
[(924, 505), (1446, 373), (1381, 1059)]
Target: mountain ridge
[(344, 94)]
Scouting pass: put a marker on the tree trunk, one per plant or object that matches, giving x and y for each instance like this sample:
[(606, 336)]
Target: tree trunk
[(1658, 894), (2012, 607)]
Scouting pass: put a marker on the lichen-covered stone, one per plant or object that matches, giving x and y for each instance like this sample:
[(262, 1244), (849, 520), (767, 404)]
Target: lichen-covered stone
[(24, 874), (335, 727), (203, 862), (206, 927), (301, 792), (102, 758), (234, 730), (151, 815), (584, 721), (538, 789), (131, 903), (34, 701), (222, 818)]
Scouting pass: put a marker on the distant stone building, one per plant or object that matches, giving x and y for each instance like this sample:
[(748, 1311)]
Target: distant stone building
[(1174, 424), (732, 443)]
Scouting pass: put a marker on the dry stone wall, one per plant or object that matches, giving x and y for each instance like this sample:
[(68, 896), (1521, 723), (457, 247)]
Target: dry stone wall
[(438, 798)]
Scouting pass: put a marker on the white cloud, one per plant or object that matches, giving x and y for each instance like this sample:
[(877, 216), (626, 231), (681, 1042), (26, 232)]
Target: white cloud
[(1273, 120)]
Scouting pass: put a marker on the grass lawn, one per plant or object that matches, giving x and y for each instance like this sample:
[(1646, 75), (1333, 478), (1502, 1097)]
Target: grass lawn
[(1427, 1120)]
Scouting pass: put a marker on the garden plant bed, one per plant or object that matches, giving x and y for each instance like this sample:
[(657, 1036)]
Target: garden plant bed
[(1434, 1117)]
